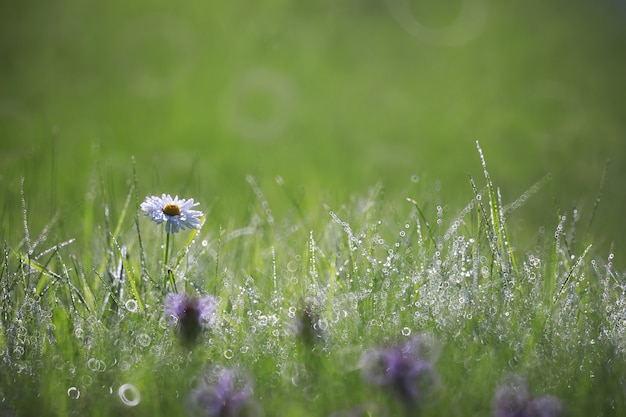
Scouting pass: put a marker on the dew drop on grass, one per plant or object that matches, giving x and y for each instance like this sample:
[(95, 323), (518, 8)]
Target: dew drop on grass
[(87, 380), (228, 354), (406, 331), (73, 393), (415, 178), (205, 243), (96, 365), (131, 305), (129, 395), (144, 340), (322, 324), (18, 351), (57, 361)]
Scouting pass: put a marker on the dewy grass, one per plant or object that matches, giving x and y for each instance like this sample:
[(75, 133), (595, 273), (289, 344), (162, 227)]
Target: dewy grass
[(373, 308)]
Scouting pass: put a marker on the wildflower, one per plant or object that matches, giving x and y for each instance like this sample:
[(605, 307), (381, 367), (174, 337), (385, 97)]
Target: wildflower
[(306, 324), (223, 392), (404, 369), (192, 314), (177, 213), (514, 400)]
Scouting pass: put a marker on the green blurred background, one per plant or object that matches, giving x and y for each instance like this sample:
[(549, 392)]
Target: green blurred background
[(332, 96)]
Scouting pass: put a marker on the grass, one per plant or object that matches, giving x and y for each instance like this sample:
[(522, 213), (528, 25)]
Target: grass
[(329, 145), (340, 87), (301, 297)]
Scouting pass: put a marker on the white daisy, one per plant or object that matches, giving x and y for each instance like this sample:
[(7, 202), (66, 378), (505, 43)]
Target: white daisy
[(177, 213)]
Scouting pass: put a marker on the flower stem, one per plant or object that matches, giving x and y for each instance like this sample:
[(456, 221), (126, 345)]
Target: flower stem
[(167, 272)]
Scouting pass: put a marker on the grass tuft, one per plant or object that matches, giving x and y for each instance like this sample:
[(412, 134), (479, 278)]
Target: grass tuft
[(308, 307)]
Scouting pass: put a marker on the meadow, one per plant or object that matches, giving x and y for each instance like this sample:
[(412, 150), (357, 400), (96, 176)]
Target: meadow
[(370, 308), (404, 208)]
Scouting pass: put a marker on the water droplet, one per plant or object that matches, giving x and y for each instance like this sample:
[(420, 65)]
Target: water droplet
[(87, 380), (228, 354), (96, 365), (18, 351), (144, 340), (131, 305), (129, 395), (205, 243), (406, 331), (73, 393)]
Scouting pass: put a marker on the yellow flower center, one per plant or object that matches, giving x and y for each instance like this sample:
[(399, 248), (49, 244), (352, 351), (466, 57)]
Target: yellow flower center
[(171, 209)]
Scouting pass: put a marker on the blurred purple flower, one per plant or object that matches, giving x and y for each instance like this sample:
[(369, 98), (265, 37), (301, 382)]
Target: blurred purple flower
[(405, 369), (306, 324), (191, 314), (223, 392), (513, 399)]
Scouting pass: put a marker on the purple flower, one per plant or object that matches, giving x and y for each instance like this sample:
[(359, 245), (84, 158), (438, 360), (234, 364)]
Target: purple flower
[(514, 400), (404, 369), (306, 325), (222, 392), (191, 314)]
